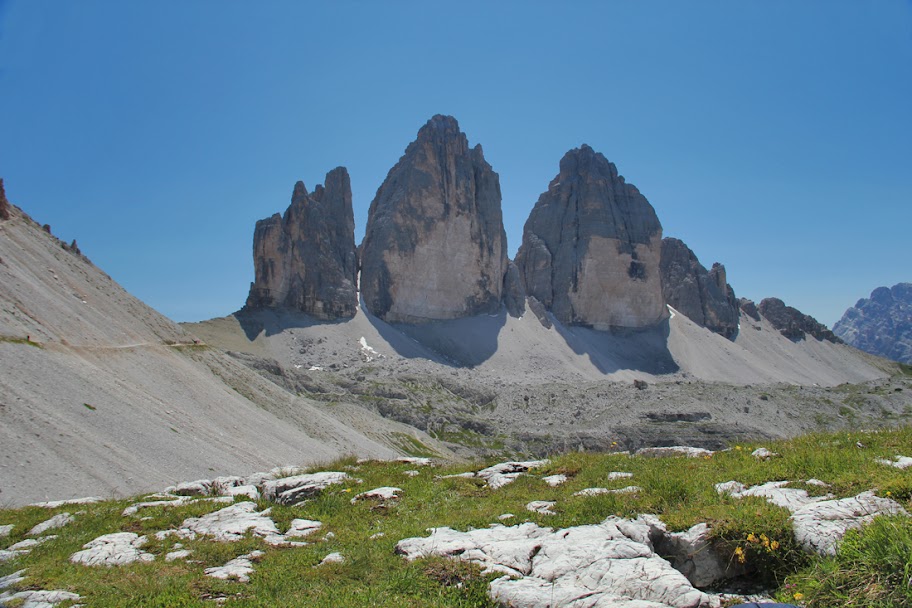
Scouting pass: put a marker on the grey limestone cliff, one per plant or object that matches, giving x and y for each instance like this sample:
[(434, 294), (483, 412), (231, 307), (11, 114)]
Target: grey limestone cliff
[(4, 204), (435, 246), (306, 259), (591, 248), (881, 324), (702, 296), (792, 323)]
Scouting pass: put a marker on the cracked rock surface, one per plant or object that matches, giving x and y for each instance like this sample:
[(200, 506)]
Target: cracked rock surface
[(115, 549)]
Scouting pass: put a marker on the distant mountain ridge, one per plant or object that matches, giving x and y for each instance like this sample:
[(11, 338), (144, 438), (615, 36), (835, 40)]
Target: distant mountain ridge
[(882, 324)]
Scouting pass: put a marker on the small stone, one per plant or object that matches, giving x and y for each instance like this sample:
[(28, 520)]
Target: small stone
[(302, 527), (290, 490), (505, 516), (541, 506), (5, 530), (179, 554), (333, 558), (555, 480), (376, 536), (384, 494), (411, 473), (763, 454), (900, 462), (615, 475)]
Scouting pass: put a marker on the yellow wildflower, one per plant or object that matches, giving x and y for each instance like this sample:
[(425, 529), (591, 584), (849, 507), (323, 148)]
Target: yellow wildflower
[(739, 553), (751, 538), (798, 596), (774, 545)]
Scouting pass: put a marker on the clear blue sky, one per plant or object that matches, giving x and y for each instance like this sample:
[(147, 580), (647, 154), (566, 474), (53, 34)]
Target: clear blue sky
[(773, 136)]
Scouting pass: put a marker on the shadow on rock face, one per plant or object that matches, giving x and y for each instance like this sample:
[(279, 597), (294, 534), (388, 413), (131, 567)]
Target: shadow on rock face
[(642, 350)]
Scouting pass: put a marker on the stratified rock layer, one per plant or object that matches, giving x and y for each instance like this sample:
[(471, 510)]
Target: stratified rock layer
[(792, 323), (702, 296), (435, 246), (881, 324), (306, 260), (591, 247)]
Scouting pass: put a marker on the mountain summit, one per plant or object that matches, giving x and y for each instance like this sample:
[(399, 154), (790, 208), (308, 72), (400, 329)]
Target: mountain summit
[(881, 324)]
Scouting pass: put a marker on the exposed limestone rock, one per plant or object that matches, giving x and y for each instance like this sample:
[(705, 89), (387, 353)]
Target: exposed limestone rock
[(900, 462), (176, 502), (5, 530), (763, 454), (540, 312), (115, 549), (610, 564), (503, 473), (693, 555), (542, 507), (333, 558), (58, 521), (416, 461), (702, 296), (775, 492), (306, 260), (614, 475), (591, 248), (303, 527), (514, 293), (53, 504), (233, 524), (179, 554), (792, 323), (674, 450), (23, 547), (289, 490), (555, 480), (882, 324), (39, 598), (383, 495), (749, 308), (435, 246), (240, 568), (4, 204), (819, 527), (12, 579)]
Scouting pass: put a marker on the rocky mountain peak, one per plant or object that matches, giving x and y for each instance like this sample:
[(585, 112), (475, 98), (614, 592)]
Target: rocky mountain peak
[(591, 247), (306, 260), (702, 296), (792, 323), (881, 324), (435, 246)]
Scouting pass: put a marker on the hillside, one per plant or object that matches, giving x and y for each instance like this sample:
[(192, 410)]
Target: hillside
[(882, 324), (101, 395)]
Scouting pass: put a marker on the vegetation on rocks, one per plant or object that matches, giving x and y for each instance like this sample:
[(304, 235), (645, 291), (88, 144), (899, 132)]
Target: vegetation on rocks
[(871, 568)]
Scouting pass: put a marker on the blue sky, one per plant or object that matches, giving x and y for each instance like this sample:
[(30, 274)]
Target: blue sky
[(772, 136)]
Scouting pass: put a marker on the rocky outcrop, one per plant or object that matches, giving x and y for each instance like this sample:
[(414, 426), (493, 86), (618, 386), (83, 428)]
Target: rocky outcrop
[(749, 307), (702, 296), (435, 246), (792, 323), (591, 248), (882, 324), (514, 295), (306, 260), (4, 204)]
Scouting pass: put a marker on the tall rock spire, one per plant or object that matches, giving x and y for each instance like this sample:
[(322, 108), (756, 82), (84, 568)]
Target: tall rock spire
[(591, 247), (306, 260), (435, 246)]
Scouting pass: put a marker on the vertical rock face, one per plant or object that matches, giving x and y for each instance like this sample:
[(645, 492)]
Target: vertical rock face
[(435, 246), (792, 323), (591, 247), (881, 324), (4, 204), (306, 260), (702, 296)]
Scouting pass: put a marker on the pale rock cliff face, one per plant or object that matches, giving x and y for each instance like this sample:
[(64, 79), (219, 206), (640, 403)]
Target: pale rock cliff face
[(702, 296), (881, 324), (591, 248), (306, 260), (435, 246)]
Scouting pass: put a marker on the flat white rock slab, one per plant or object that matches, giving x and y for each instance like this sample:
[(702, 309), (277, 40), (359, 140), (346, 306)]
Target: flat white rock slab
[(541, 506), (290, 490), (5, 530), (39, 599), (383, 494), (115, 549), (611, 564), (900, 462), (240, 568), (23, 547), (302, 527), (819, 527), (58, 521), (53, 504), (674, 450), (774, 492), (333, 558), (555, 480)]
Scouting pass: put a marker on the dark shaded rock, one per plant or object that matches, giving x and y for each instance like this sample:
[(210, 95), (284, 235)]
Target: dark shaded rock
[(792, 323), (882, 324), (513, 293), (306, 260), (540, 312), (4, 204), (591, 247), (640, 385), (702, 296), (749, 308), (435, 246)]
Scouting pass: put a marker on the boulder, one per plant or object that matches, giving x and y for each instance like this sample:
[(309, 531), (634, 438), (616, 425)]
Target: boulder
[(882, 324), (703, 296), (819, 527), (289, 490), (591, 248), (240, 568), (306, 260), (58, 521), (794, 324), (435, 246)]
